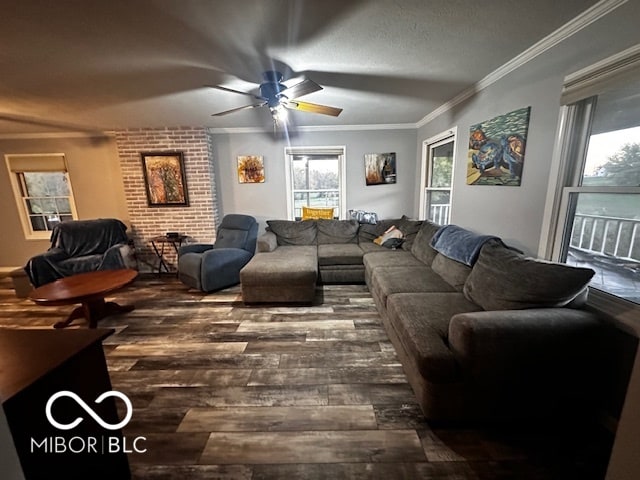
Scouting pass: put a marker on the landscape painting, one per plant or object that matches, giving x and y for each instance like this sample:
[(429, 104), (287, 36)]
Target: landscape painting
[(496, 149), (380, 168)]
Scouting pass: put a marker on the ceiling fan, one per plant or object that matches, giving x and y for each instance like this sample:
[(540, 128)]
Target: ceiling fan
[(280, 97)]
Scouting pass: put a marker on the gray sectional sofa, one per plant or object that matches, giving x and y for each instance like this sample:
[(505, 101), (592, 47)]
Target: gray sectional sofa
[(483, 332)]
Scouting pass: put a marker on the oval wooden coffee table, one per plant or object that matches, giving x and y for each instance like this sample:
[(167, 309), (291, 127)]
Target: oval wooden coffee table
[(88, 289)]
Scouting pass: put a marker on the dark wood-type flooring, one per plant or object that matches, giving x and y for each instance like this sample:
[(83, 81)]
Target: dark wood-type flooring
[(224, 391)]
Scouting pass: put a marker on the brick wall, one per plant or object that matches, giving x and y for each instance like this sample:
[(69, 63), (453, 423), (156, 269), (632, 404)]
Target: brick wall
[(199, 219)]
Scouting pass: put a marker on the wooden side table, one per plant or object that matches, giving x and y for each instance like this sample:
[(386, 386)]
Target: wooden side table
[(158, 243)]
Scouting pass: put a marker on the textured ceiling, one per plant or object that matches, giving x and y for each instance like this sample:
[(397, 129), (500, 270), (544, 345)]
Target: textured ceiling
[(111, 64)]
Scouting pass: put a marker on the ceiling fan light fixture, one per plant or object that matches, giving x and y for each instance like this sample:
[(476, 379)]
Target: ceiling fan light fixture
[(279, 113), (279, 97)]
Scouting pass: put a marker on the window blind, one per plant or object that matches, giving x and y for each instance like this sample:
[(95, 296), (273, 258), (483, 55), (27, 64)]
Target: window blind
[(53, 162)]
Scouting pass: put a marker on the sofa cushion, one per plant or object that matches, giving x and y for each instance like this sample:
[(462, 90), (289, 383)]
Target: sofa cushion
[(421, 321), (337, 231), (289, 232), (383, 257), (387, 258), (372, 247), (339, 254), (409, 229), (385, 281), (421, 246), (454, 273), (503, 279)]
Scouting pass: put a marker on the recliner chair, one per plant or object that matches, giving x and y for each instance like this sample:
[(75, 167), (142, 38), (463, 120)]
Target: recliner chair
[(209, 267)]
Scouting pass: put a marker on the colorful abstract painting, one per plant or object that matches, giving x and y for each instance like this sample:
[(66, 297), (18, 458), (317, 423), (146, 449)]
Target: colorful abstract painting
[(250, 169), (496, 149)]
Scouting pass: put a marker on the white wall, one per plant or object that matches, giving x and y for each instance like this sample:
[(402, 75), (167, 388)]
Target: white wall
[(268, 200), (516, 213)]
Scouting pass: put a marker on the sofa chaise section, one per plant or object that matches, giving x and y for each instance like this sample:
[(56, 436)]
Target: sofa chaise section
[(286, 275), (285, 267)]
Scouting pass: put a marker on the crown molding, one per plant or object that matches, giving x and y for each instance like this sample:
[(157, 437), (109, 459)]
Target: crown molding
[(32, 136), (570, 28), (577, 83), (319, 128)]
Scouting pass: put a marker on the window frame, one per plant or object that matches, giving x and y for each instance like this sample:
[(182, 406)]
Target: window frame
[(16, 181), (339, 151), (580, 93), (426, 169)]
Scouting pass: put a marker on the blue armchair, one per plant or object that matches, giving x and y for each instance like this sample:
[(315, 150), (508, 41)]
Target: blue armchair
[(79, 246), (208, 267)]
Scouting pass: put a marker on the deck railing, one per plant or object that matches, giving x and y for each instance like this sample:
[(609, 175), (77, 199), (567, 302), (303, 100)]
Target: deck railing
[(439, 214), (611, 236)]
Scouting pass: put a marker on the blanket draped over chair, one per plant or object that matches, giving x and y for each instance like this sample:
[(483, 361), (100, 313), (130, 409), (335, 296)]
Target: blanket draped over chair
[(80, 246)]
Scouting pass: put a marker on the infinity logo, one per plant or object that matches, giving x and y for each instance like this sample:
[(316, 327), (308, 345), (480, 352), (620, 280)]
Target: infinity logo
[(89, 410)]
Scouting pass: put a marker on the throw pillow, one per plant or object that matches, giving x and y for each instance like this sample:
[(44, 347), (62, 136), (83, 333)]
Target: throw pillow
[(310, 213), (369, 232), (370, 218), (391, 232), (393, 243), (503, 279)]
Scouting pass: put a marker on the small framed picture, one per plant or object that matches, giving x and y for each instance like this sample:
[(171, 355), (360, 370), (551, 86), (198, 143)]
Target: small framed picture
[(164, 179), (380, 168), (250, 169)]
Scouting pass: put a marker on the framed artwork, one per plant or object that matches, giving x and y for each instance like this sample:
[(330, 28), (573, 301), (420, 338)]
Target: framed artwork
[(250, 169), (380, 168), (496, 149), (164, 179)]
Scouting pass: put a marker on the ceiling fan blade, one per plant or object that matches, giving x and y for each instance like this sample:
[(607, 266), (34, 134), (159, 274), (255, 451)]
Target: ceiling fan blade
[(245, 107), (48, 124), (226, 89), (305, 87), (313, 108)]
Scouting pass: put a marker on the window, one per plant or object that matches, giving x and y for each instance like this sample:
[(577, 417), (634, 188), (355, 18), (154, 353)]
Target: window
[(599, 213), (42, 191), (437, 177), (315, 178)]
